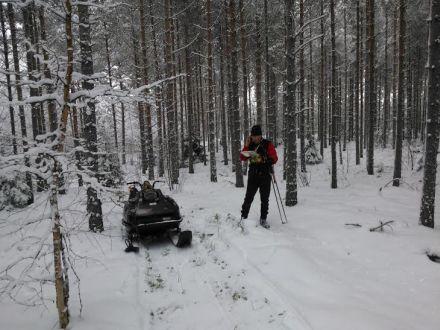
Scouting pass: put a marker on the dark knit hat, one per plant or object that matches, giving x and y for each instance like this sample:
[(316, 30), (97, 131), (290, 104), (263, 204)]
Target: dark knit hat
[(256, 130)]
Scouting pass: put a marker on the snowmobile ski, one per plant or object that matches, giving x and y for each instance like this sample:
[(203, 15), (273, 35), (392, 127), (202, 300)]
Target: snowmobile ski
[(180, 238), (130, 247)]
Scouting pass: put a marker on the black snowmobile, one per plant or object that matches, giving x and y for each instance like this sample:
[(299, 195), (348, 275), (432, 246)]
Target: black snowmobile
[(150, 213)]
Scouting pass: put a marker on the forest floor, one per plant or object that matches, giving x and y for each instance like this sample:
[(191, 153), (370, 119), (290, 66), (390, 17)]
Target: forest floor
[(315, 272)]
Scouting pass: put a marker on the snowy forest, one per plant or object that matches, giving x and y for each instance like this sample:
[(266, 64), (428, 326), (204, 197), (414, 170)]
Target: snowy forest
[(127, 147)]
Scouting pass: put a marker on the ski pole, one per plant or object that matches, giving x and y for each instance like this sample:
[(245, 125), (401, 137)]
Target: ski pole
[(281, 200), (276, 199)]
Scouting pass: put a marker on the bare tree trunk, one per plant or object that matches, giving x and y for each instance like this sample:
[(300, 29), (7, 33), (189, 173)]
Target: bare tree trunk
[(258, 91), (189, 97), (312, 89), (301, 87), (400, 95), (61, 279), (395, 74), (334, 183), (8, 79), (322, 101), (147, 107), (222, 99), (236, 144), (91, 139), (211, 87), (291, 155), (432, 120), (172, 138), (244, 75), (141, 113), (386, 107), (110, 81), (124, 151), (158, 94), (357, 83), (371, 98), (18, 88)]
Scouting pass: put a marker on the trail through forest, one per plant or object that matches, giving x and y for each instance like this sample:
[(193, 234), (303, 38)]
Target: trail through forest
[(316, 272)]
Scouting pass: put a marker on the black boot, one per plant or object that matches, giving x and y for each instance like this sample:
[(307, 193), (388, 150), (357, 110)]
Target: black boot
[(263, 223)]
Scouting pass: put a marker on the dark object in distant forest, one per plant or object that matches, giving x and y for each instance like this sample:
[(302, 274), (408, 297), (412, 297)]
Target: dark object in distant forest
[(197, 149), (150, 213), (312, 154)]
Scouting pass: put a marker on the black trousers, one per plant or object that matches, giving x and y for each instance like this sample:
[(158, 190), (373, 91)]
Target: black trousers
[(257, 181)]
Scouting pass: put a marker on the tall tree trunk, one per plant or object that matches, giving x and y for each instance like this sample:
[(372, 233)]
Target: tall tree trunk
[(344, 125), (18, 88), (141, 110), (172, 138), (357, 83), (189, 97), (371, 98), (91, 138), (302, 105), (110, 81), (334, 183), (211, 87), (158, 93), (291, 155), (8, 79), (61, 277), (258, 91), (432, 120), (222, 99), (244, 74), (124, 151), (386, 105), (395, 74), (147, 107), (236, 143), (400, 95), (312, 88), (322, 101)]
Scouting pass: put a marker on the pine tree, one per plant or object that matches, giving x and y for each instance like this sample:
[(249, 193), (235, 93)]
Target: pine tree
[(400, 95), (334, 183), (432, 120), (211, 88), (291, 159), (91, 138)]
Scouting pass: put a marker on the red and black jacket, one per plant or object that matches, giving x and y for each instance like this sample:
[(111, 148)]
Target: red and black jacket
[(268, 157)]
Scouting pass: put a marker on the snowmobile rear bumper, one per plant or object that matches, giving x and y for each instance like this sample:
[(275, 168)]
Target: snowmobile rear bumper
[(149, 228)]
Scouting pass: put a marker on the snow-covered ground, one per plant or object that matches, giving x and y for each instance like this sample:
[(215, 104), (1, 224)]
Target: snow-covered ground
[(315, 272)]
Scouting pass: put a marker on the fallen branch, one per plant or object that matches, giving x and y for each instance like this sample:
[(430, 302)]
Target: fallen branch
[(353, 224), (382, 224)]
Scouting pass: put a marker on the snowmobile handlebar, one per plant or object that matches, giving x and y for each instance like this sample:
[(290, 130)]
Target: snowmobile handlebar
[(140, 184)]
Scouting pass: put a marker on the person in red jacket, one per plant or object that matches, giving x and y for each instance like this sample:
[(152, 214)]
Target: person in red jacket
[(261, 155)]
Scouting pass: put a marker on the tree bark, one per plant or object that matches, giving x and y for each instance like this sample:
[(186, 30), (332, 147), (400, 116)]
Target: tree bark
[(211, 87), (400, 95), (291, 155), (371, 98), (236, 143), (334, 183), (91, 138), (8, 79), (432, 120), (147, 107), (18, 88), (158, 94)]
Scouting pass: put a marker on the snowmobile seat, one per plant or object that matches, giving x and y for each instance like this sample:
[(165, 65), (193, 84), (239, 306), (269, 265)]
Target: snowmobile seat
[(150, 196)]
